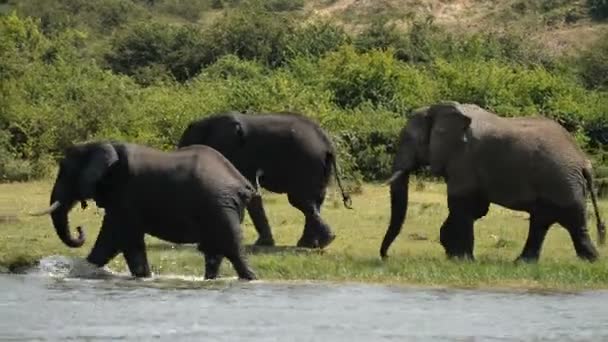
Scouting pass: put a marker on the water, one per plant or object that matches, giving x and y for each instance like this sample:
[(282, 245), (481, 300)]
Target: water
[(48, 304)]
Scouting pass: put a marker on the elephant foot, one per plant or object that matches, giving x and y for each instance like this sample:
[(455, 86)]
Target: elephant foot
[(247, 276), (265, 241), (460, 256), (588, 255), (326, 241), (526, 259), (307, 243)]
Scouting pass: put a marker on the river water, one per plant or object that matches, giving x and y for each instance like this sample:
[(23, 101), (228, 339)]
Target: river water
[(49, 304)]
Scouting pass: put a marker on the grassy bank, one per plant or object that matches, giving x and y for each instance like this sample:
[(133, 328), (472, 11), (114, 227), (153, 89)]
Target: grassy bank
[(416, 256)]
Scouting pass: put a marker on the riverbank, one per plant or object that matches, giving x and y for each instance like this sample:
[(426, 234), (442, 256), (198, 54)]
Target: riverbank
[(416, 257)]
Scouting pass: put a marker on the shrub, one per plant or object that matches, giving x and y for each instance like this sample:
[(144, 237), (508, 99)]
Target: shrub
[(598, 8), (283, 5), (376, 78), (315, 40), (102, 15), (251, 34), (381, 35), (188, 9), (229, 66), (157, 48), (593, 64)]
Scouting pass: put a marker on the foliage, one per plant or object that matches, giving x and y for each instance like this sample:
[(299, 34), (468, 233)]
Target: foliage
[(283, 5), (376, 78), (593, 64), (251, 33), (150, 78), (153, 48), (100, 15), (598, 8)]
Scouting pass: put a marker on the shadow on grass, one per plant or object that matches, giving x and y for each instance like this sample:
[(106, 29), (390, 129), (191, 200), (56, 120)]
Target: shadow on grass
[(8, 219), (253, 249), (249, 249), (163, 246)]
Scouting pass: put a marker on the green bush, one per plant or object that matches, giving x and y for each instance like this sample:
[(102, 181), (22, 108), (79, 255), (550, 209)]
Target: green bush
[(602, 187), (190, 10), (594, 64), (53, 94), (283, 5), (101, 15), (598, 8), (251, 34), (376, 78), (314, 39), (153, 49)]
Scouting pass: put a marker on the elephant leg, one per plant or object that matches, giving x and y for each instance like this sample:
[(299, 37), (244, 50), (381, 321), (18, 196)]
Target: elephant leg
[(316, 232), (309, 238), (457, 233), (136, 257), (456, 236), (574, 220), (541, 220), (260, 222), (106, 246), (213, 260), (227, 244)]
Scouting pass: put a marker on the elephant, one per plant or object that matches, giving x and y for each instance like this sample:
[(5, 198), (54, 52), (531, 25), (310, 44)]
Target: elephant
[(530, 164), (288, 152), (190, 195)]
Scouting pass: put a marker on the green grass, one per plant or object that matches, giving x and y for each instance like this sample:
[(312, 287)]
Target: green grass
[(416, 257)]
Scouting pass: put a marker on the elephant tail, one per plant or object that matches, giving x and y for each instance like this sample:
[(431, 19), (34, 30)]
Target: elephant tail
[(331, 159), (601, 227)]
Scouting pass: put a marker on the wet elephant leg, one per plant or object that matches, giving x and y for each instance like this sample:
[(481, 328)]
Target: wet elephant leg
[(575, 221), (260, 222), (226, 243), (108, 242), (316, 233), (213, 260), (211, 249), (136, 257)]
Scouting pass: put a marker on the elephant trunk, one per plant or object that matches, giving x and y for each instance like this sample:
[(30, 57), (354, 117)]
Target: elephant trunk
[(60, 219), (399, 199)]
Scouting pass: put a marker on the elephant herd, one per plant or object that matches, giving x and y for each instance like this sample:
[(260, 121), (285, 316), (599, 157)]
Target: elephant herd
[(198, 193)]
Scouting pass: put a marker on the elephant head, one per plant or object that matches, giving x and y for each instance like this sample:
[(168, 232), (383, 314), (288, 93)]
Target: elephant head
[(81, 169), (223, 132), (431, 137)]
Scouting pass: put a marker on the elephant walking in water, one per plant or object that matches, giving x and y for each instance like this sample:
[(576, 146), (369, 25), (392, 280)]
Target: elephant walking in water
[(528, 164), (290, 153), (192, 195)]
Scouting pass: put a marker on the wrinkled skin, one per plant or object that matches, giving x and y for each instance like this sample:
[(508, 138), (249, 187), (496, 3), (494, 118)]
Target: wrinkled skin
[(193, 195), (290, 153), (527, 164)]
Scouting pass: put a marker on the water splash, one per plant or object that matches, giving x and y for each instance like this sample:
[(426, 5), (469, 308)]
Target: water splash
[(73, 268), (59, 266)]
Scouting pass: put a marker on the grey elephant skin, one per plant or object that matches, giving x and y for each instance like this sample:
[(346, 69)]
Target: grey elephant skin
[(290, 153), (192, 195), (529, 164)]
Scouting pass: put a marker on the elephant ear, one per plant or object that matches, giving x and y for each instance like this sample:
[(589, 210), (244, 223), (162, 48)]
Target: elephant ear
[(102, 157), (449, 115)]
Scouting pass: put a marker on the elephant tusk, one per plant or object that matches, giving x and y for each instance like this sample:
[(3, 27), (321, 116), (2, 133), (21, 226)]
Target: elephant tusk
[(259, 173), (50, 209), (394, 176)]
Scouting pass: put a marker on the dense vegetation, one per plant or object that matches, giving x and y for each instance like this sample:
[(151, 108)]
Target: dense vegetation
[(139, 70)]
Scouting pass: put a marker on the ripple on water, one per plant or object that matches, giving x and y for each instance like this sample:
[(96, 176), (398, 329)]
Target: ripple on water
[(101, 304)]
